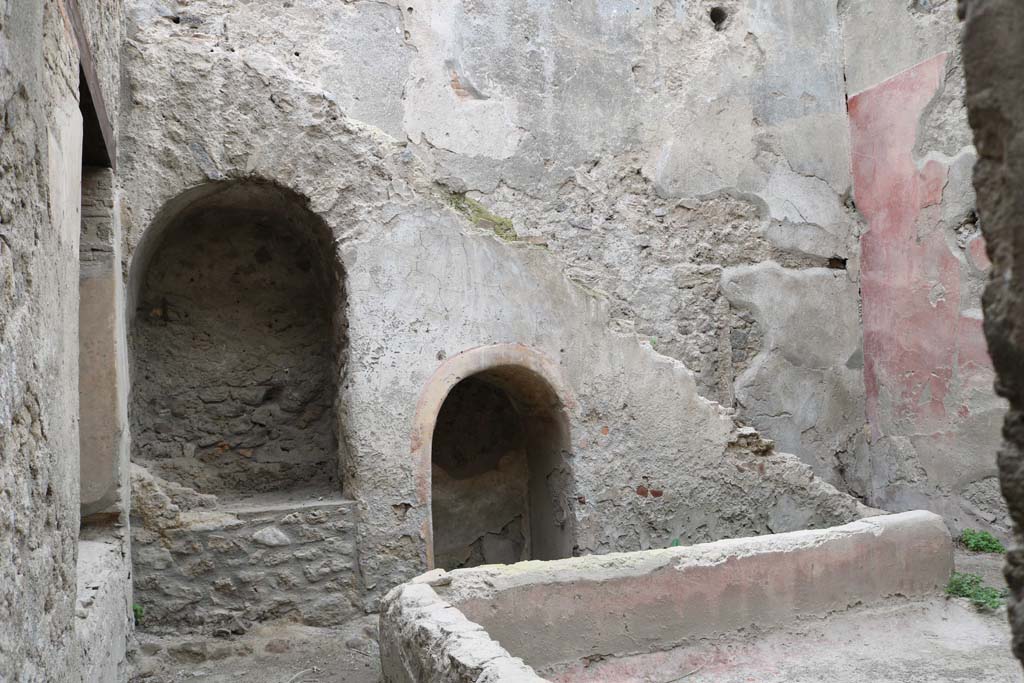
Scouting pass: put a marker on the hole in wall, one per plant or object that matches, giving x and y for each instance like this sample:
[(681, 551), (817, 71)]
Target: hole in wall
[(718, 16)]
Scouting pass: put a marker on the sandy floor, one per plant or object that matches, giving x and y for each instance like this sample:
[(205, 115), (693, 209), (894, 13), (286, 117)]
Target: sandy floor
[(929, 641)]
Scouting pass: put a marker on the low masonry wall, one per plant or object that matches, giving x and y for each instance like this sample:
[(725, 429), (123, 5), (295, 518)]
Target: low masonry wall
[(423, 638), (456, 626), (227, 568)]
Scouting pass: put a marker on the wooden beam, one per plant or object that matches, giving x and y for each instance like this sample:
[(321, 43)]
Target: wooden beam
[(98, 143)]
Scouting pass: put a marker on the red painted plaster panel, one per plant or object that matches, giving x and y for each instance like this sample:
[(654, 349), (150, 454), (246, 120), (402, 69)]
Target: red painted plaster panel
[(918, 347)]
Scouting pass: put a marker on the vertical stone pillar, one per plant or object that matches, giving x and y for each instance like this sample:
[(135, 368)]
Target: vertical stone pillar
[(102, 363)]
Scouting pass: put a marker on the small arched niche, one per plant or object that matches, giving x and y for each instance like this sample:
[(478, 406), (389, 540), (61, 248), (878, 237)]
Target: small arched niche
[(237, 345), (500, 479)]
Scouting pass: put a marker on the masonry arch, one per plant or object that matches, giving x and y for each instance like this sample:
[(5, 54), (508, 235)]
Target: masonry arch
[(492, 447), (236, 310)]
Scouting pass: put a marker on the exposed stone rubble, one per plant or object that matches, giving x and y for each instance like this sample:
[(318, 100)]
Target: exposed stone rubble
[(423, 638), (219, 570)]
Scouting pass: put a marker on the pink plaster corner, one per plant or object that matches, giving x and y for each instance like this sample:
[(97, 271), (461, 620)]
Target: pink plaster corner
[(916, 342), (978, 254)]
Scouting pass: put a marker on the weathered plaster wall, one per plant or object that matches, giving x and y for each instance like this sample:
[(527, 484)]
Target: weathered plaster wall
[(40, 156), (40, 207), (650, 149), (994, 64), (933, 419), (656, 159), (651, 459)]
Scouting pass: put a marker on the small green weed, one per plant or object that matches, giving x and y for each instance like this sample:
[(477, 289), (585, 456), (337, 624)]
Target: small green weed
[(981, 541), (138, 610), (970, 586), (479, 214)]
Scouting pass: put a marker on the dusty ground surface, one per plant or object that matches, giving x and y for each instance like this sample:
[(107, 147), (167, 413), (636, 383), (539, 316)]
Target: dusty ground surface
[(938, 640), (904, 642), (272, 653)]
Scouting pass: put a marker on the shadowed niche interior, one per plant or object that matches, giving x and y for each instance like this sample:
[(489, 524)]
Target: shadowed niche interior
[(500, 473), (237, 346)]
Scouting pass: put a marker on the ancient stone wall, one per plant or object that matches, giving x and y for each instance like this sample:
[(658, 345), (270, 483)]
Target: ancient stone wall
[(218, 570), (218, 96), (234, 362), (40, 205), (649, 147), (994, 64), (597, 191), (933, 420)]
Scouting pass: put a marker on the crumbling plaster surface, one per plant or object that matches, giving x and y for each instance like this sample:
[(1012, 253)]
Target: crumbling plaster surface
[(39, 228), (653, 461), (933, 420), (648, 150), (808, 389), (994, 64)]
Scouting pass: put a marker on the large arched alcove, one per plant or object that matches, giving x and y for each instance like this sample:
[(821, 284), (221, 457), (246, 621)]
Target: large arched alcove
[(493, 447), (237, 345)]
